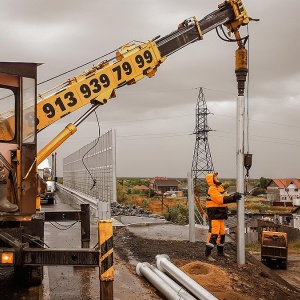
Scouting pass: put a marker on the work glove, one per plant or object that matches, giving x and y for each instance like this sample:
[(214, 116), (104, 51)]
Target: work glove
[(236, 196)]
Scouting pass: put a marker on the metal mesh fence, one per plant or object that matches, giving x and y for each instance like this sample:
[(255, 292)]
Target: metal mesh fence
[(92, 169)]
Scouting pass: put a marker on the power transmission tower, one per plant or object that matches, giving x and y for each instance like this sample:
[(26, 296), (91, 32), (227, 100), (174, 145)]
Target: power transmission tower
[(202, 161)]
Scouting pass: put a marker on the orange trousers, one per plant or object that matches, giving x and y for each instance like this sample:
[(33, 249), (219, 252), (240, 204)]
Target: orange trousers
[(216, 233)]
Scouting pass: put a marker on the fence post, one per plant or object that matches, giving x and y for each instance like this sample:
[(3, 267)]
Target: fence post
[(85, 225), (106, 268)]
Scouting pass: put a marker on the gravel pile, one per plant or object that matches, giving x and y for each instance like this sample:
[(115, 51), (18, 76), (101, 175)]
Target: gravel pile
[(131, 210)]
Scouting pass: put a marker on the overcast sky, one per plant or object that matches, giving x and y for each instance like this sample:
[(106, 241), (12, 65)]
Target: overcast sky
[(155, 119)]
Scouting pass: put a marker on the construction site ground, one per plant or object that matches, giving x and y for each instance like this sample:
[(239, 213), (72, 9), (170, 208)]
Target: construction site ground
[(134, 243), (225, 278), (140, 241)]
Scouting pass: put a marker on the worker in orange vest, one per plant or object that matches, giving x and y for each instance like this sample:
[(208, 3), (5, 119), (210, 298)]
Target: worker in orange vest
[(216, 205)]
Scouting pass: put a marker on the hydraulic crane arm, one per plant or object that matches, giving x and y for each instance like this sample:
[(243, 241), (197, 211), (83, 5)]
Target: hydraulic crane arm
[(191, 30), (20, 119), (132, 63)]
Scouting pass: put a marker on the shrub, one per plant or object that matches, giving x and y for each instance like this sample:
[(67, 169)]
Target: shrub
[(258, 191), (178, 214), (149, 193), (145, 203)]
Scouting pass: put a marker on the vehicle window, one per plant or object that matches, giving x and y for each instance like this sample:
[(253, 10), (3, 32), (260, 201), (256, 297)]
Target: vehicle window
[(7, 115)]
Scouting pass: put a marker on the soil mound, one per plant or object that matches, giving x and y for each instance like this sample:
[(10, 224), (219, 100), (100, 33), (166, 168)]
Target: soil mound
[(213, 279)]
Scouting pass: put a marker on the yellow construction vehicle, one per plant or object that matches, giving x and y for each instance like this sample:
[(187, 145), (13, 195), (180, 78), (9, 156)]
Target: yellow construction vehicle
[(23, 114), (274, 249)]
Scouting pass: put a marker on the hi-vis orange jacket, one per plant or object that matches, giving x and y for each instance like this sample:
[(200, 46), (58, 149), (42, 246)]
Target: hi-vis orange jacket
[(217, 199)]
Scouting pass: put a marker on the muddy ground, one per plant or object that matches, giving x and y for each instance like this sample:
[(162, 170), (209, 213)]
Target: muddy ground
[(225, 279)]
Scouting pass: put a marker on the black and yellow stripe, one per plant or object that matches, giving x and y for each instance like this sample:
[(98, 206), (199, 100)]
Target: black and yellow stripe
[(105, 233)]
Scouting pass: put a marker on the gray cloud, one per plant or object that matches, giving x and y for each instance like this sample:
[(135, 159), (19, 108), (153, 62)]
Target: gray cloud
[(66, 34)]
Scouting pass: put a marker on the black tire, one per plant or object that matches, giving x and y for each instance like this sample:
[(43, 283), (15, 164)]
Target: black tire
[(282, 264), (29, 276)]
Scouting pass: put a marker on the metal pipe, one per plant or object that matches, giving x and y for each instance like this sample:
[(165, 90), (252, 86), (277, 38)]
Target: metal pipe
[(240, 179), (143, 269), (174, 285), (163, 263)]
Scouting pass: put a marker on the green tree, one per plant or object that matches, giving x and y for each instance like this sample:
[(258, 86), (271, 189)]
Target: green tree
[(264, 182), (122, 196), (149, 193)]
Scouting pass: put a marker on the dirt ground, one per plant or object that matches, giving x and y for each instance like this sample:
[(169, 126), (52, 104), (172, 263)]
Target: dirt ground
[(225, 279)]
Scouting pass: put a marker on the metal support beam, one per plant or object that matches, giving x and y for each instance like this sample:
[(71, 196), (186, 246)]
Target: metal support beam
[(50, 257), (62, 216), (82, 215), (85, 225)]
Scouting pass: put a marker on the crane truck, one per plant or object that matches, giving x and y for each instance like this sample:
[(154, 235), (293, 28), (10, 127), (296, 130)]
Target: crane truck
[(24, 113)]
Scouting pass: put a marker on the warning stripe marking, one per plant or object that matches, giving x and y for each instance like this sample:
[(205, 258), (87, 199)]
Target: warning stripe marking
[(106, 263), (106, 246)]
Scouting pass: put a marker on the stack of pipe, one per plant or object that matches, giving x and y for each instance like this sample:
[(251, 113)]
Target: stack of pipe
[(171, 281)]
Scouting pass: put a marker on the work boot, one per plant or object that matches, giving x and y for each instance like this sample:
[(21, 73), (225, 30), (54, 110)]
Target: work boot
[(5, 205), (208, 256), (220, 250)]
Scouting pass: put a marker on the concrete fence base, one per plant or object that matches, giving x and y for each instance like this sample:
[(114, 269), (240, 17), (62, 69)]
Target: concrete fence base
[(98, 209)]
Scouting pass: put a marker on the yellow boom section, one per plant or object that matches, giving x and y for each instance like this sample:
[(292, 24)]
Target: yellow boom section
[(132, 63)]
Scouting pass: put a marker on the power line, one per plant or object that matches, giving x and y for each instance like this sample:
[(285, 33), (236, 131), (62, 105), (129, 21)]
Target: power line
[(186, 135), (183, 116), (209, 89)]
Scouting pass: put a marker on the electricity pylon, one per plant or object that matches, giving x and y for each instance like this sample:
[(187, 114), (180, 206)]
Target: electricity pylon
[(202, 161)]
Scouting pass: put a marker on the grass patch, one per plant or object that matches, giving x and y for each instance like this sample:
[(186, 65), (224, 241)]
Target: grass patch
[(253, 248), (293, 247)]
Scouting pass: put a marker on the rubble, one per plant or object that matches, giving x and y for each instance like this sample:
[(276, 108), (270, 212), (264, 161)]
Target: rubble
[(131, 210)]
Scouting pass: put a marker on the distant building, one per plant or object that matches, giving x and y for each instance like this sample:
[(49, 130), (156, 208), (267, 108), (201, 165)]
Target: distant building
[(141, 188), (283, 192), (165, 185), (151, 183)]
